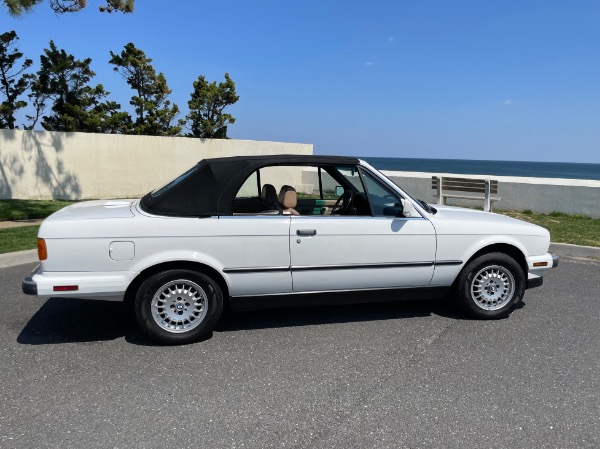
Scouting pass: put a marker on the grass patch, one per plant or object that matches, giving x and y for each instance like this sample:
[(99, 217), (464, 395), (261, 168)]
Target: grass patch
[(18, 239), (29, 209), (564, 228)]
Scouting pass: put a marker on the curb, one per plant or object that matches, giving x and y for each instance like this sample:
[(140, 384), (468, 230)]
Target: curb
[(18, 258), (562, 249), (566, 249)]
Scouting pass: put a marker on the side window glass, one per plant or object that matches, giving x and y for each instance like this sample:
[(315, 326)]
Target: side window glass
[(331, 188), (250, 187), (384, 201), (272, 190)]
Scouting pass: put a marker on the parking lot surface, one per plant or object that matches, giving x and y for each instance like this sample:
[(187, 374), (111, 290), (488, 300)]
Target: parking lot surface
[(78, 374)]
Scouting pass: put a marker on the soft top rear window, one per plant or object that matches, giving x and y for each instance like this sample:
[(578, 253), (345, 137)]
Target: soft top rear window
[(174, 182)]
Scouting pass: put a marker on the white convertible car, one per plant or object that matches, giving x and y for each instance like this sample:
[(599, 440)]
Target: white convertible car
[(235, 232)]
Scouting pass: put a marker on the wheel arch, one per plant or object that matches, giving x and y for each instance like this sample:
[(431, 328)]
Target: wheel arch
[(134, 285), (505, 248)]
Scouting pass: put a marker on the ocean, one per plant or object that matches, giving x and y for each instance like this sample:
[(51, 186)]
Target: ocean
[(499, 168)]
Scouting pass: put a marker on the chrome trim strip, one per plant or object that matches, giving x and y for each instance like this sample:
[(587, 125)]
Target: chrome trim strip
[(449, 262), (360, 266), (255, 270), (341, 266)]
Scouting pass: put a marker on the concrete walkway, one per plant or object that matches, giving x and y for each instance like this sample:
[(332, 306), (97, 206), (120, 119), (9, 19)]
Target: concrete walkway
[(20, 223), (18, 258)]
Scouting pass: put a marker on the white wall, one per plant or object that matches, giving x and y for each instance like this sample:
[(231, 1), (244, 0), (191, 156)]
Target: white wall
[(544, 195), (46, 165)]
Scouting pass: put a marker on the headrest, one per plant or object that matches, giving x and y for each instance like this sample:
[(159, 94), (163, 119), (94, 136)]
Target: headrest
[(287, 197), (269, 194)]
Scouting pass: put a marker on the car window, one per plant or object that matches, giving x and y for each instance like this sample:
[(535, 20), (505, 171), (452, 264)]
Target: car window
[(330, 187), (249, 188), (384, 201), (316, 190)]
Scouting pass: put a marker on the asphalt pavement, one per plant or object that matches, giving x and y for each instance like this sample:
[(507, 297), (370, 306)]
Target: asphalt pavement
[(78, 374)]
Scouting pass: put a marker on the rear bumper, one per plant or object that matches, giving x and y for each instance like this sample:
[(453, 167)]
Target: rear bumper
[(102, 285), (28, 285)]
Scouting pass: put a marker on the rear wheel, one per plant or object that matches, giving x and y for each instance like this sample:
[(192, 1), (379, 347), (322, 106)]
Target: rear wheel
[(178, 306), (490, 286)]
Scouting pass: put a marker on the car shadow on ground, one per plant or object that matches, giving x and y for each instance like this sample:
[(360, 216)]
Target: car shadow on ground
[(343, 313), (62, 320), (66, 321)]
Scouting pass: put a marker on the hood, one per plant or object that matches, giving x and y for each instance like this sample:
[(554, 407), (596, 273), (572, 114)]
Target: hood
[(89, 210), (463, 213), (461, 220)]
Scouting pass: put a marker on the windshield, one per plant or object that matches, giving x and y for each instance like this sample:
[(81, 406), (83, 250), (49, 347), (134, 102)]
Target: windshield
[(422, 203)]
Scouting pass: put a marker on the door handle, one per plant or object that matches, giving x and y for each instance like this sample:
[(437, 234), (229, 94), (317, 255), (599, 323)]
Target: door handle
[(306, 232)]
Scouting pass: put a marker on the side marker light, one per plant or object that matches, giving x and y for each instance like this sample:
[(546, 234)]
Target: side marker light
[(65, 288), (42, 250)]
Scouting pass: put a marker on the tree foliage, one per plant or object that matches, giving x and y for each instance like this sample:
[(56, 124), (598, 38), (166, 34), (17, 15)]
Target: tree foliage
[(154, 111), (63, 98), (17, 8), (76, 105), (207, 102), (13, 81)]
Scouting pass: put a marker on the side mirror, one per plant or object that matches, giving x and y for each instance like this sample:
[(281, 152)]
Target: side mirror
[(397, 210)]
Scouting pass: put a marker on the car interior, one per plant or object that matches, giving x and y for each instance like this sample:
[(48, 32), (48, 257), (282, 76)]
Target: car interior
[(319, 191)]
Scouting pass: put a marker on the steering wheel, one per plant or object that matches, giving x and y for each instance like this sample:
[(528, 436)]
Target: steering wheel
[(343, 203)]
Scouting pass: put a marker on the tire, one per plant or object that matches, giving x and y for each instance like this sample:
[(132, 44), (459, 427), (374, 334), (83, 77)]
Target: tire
[(490, 286), (178, 306)]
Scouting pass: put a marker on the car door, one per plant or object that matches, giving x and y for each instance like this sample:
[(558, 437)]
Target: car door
[(253, 247), (381, 250), (254, 253)]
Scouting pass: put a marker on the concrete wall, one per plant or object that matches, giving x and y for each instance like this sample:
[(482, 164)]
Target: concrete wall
[(46, 165), (544, 195)]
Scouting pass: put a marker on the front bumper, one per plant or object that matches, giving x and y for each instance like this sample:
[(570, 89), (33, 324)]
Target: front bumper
[(536, 267)]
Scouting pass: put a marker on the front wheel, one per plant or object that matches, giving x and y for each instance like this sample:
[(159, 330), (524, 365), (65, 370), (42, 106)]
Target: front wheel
[(490, 286), (178, 306)]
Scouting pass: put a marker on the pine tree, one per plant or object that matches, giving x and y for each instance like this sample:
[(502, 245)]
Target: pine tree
[(208, 100), (152, 107), (13, 82), (17, 8), (76, 106)]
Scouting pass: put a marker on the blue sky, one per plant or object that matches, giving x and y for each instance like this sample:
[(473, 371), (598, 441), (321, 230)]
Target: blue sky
[(508, 80)]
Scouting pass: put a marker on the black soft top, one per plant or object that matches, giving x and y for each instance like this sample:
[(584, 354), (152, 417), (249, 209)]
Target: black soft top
[(208, 188)]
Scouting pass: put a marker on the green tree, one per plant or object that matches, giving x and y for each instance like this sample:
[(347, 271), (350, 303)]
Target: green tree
[(17, 8), (13, 82), (208, 100), (76, 106), (154, 112)]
